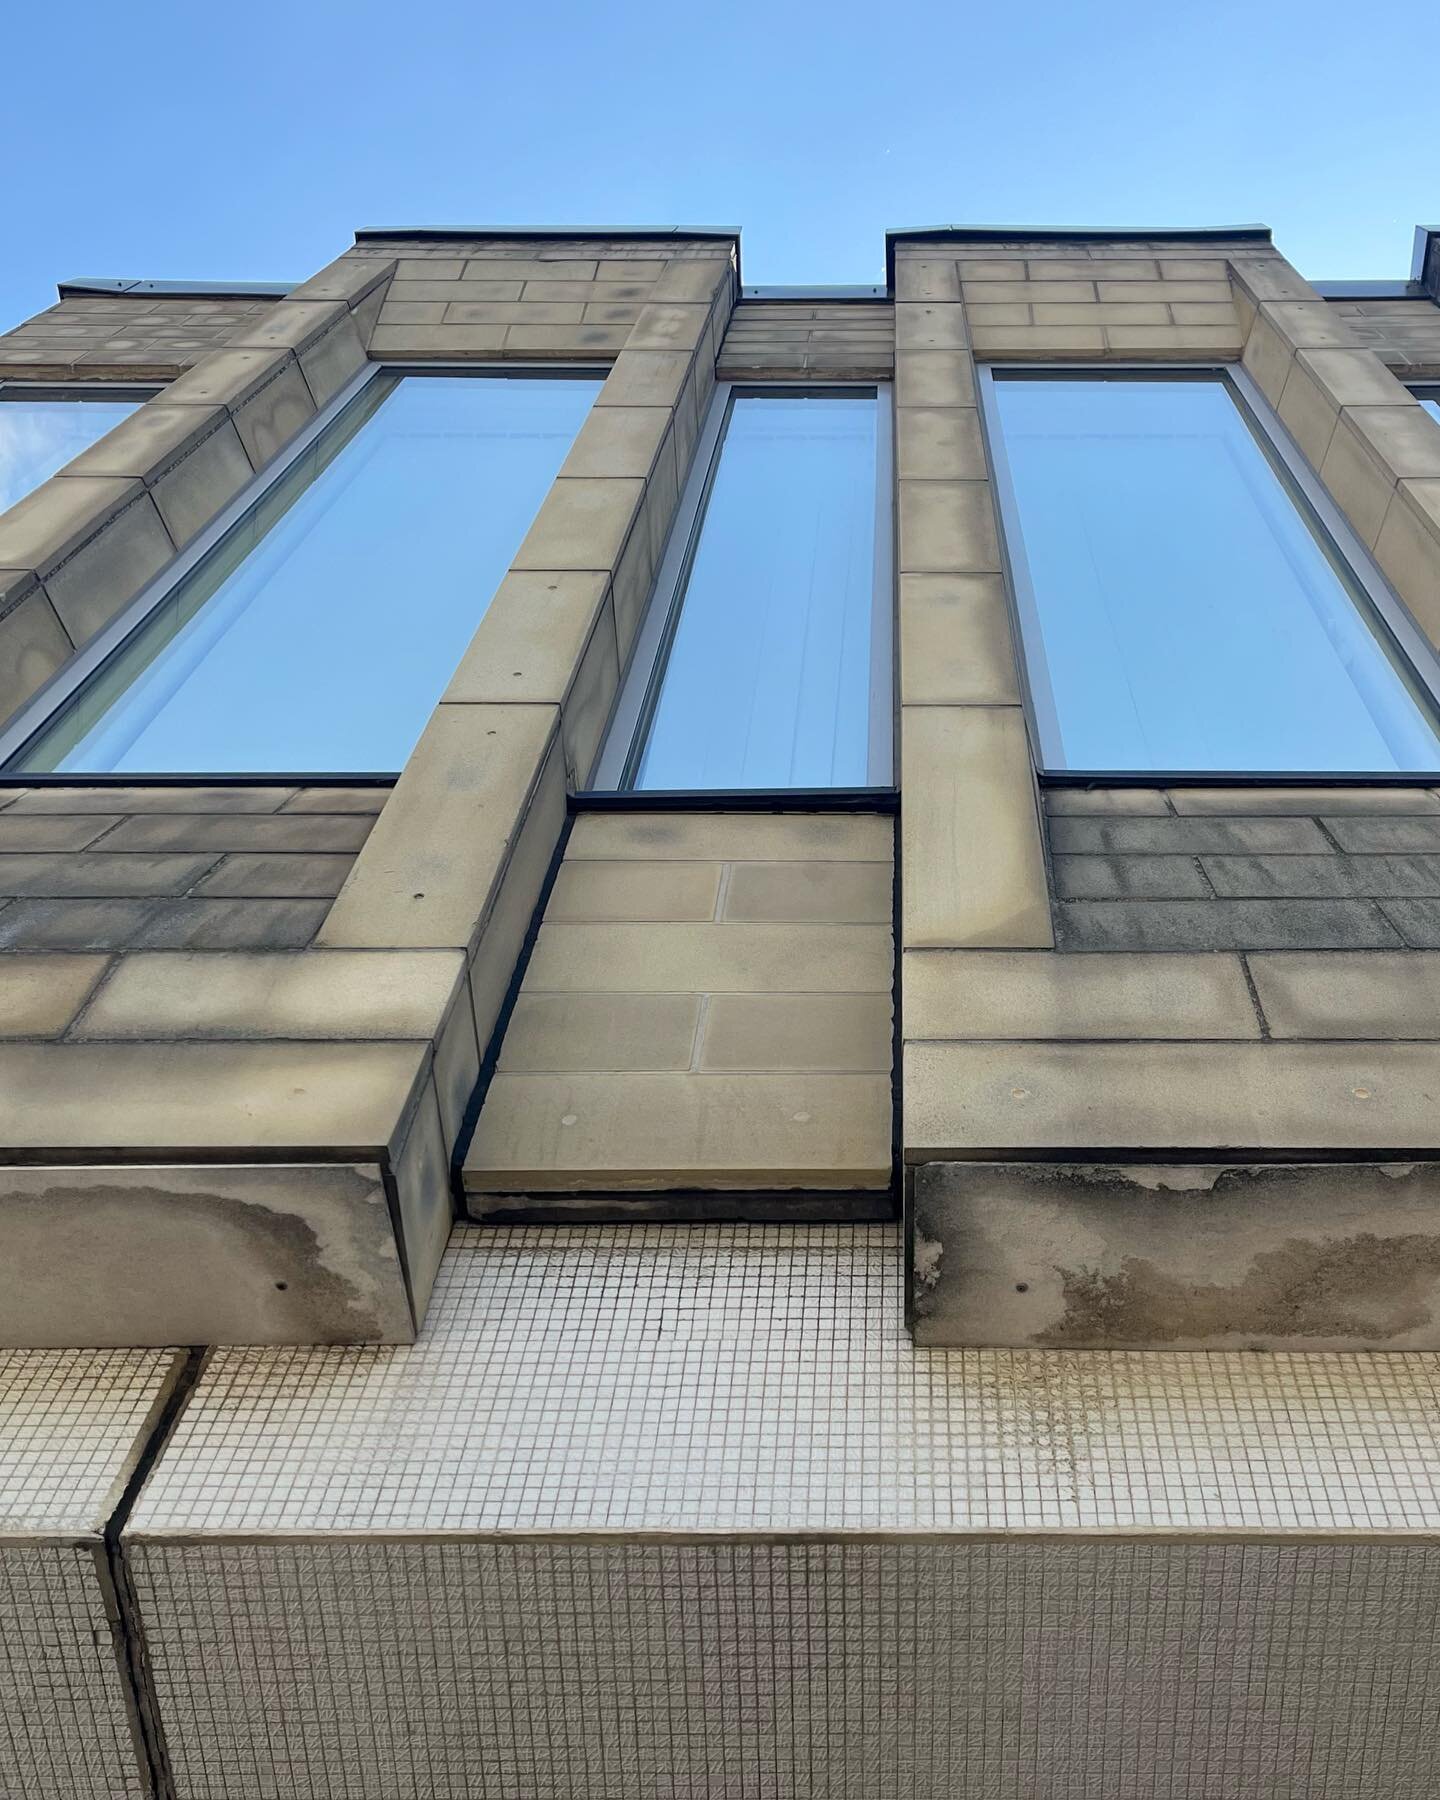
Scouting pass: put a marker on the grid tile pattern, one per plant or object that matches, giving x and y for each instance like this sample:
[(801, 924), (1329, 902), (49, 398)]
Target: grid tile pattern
[(64, 1729), (71, 1424), (760, 1379), (711, 1671)]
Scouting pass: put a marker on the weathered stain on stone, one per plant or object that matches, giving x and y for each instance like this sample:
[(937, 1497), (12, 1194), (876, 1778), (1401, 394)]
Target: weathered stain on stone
[(1198, 1256), (301, 1254), (1365, 1286)]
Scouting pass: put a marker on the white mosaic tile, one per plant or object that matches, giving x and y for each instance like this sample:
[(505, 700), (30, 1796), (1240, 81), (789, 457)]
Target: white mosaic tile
[(759, 1379), (72, 1423)]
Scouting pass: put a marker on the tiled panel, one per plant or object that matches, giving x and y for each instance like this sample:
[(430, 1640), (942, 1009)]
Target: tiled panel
[(71, 1425), (485, 1566), (759, 1378), (770, 338), (175, 867), (1210, 869)]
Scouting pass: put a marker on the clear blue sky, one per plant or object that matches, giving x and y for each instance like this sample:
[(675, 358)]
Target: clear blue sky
[(248, 142)]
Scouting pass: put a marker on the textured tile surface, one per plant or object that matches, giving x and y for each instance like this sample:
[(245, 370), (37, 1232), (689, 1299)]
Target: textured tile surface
[(486, 1567), (71, 1425), (759, 1378)]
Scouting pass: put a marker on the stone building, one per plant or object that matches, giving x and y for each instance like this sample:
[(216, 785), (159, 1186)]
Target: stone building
[(720, 1026)]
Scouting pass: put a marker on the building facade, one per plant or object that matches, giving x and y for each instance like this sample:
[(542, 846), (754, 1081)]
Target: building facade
[(720, 1026)]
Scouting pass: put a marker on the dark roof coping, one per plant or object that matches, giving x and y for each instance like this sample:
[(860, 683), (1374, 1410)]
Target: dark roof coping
[(200, 290), (1068, 234)]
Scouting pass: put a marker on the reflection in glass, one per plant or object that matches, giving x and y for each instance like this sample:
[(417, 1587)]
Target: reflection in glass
[(1190, 614), (320, 633), (1431, 406), (767, 680), (37, 437)]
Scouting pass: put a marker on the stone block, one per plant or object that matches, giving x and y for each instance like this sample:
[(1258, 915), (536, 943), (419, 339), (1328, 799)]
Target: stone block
[(93, 542), (174, 1097), (1269, 278), (342, 994), (552, 1033), (278, 876), (547, 637), (940, 444), (955, 640), (1038, 341), (263, 389), (305, 832), (810, 893), (1267, 357), (1093, 312), (50, 925), (1363, 836), (644, 1132), (645, 378), (1132, 877), (1124, 270), (1278, 836), (1308, 1257), (1323, 877), (355, 280), (1404, 439), (1213, 293), (1175, 340), (787, 1032), (733, 837), (1308, 324), (647, 958), (1382, 996), (684, 281), (443, 343), (457, 1061), (930, 327), (582, 524), (52, 831), (947, 525), (990, 268), (973, 863), (618, 441), (40, 995), (1308, 413), (226, 924), (669, 326), (1302, 800), (1097, 1100), (183, 798), (33, 643), (206, 1253), (934, 378), (996, 994), (368, 798), (424, 1199), (921, 278), (1352, 377), (1417, 921), (663, 891), (1268, 924), (1408, 550), (513, 913), (1024, 293), (1106, 802), (430, 870), (97, 874)]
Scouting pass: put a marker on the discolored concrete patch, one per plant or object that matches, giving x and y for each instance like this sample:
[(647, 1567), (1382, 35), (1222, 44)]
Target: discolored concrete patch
[(1340, 1256), (199, 1254)]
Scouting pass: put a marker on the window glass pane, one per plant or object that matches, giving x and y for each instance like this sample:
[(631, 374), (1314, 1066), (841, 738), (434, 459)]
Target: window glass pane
[(321, 632), (1431, 406), (37, 437), (1190, 615), (768, 678)]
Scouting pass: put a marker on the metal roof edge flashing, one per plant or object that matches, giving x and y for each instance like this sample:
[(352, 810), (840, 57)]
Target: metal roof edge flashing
[(530, 234), (198, 290), (1068, 234)]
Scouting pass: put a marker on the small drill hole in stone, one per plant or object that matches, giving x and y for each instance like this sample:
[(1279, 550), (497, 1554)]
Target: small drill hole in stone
[(1022, 1287), (282, 1285)]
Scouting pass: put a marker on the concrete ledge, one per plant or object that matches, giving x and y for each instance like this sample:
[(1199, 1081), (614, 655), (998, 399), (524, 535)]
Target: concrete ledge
[(1338, 1256)]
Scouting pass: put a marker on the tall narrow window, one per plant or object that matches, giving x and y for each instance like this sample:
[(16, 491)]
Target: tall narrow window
[(768, 665), (320, 632), (1183, 606), (41, 429)]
